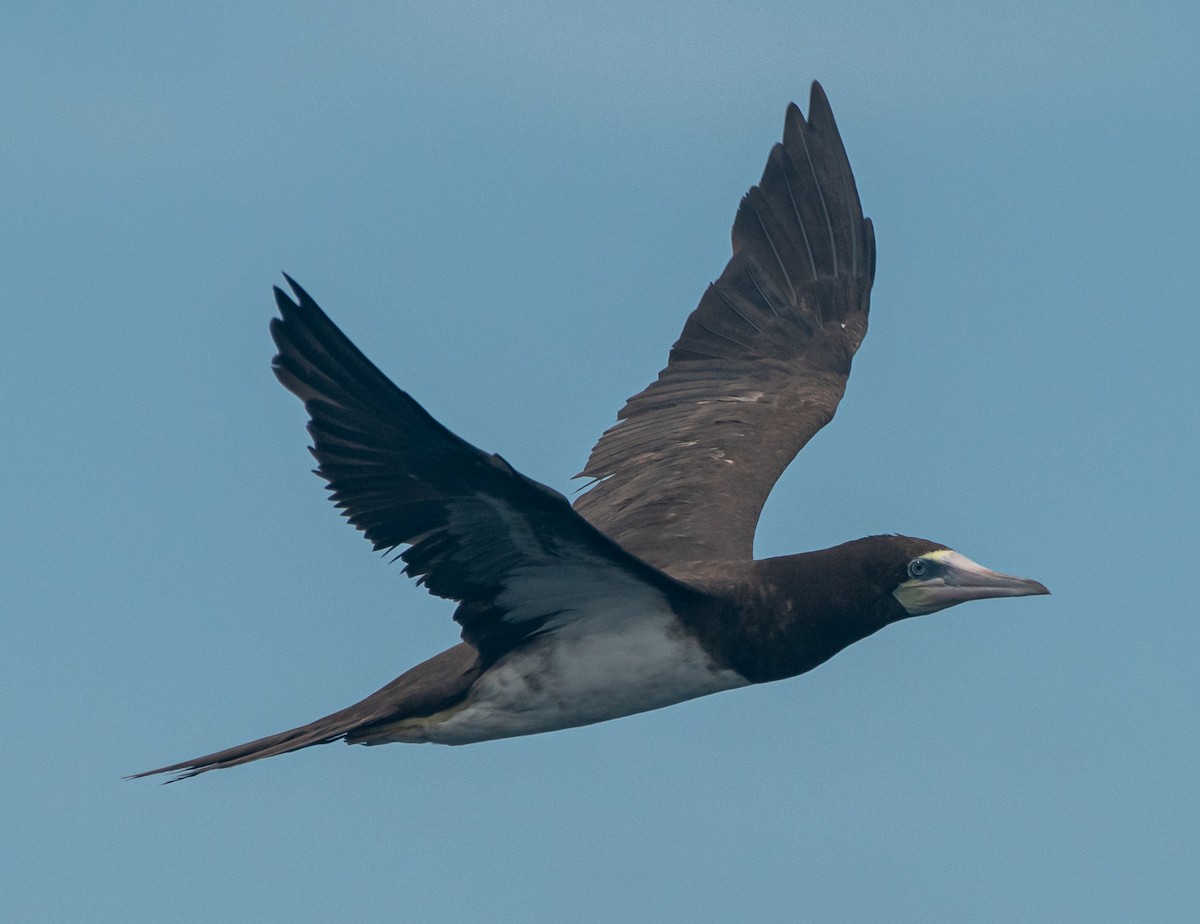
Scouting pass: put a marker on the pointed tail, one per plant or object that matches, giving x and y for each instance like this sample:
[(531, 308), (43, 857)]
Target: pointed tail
[(429, 687)]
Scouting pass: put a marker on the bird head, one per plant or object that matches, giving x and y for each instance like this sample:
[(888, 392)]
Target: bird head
[(926, 577)]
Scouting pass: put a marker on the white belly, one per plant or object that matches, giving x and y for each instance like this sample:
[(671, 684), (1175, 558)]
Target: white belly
[(632, 665)]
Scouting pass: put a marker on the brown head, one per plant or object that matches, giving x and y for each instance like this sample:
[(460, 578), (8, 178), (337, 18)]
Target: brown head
[(800, 610), (928, 577)]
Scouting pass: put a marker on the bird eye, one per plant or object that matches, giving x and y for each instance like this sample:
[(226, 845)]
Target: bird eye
[(918, 568)]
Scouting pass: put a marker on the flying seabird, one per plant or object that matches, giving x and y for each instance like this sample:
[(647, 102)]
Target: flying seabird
[(645, 592)]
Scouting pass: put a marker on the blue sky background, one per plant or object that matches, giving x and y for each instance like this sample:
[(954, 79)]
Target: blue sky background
[(512, 208)]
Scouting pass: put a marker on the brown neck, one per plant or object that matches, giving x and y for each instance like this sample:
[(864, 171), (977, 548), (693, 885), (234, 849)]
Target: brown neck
[(779, 617)]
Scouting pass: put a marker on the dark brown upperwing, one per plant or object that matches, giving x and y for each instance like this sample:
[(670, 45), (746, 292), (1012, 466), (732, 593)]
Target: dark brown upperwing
[(760, 367)]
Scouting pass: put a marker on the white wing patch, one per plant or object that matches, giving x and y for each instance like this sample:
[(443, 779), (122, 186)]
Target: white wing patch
[(554, 582), (579, 597)]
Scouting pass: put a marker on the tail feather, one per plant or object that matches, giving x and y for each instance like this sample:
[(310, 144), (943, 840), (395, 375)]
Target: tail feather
[(430, 687), (322, 731)]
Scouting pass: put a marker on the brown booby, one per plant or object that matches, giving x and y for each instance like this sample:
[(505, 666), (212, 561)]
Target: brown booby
[(644, 593)]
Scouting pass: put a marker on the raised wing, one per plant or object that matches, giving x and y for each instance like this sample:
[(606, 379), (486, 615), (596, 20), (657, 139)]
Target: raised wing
[(511, 551), (760, 367)]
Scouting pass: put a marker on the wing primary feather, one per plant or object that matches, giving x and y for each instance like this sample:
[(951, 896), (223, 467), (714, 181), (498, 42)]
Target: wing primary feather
[(723, 336), (774, 250), (812, 169), (766, 298), (820, 116), (812, 262), (734, 309)]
